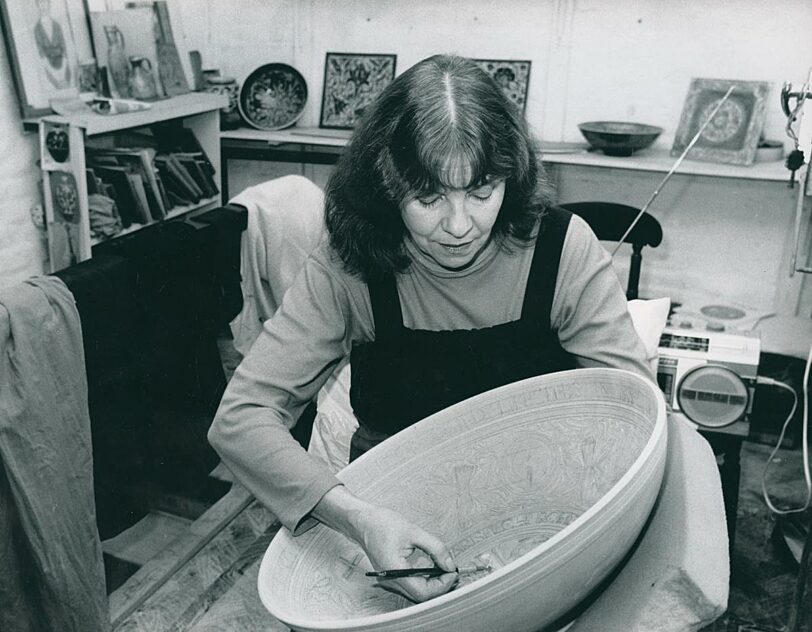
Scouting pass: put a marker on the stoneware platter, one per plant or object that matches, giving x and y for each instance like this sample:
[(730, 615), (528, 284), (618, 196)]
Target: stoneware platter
[(551, 479)]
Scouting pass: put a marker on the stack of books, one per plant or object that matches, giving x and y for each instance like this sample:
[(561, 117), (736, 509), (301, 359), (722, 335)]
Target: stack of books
[(147, 177)]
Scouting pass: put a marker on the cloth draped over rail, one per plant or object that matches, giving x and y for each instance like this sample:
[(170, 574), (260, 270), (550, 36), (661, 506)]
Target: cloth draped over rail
[(51, 574)]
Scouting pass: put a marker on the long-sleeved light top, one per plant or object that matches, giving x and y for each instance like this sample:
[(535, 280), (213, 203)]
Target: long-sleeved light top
[(327, 309)]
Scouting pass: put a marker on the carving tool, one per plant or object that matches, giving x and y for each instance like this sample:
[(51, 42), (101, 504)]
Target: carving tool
[(433, 571)]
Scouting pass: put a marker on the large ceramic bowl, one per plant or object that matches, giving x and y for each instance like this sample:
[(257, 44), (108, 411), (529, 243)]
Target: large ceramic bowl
[(616, 138), (272, 97), (552, 478)]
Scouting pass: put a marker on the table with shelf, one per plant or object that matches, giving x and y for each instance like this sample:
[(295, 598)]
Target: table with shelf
[(323, 147), (197, 111), (296, 145)]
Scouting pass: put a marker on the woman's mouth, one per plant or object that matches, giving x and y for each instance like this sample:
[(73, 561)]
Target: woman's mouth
[(457, 249)]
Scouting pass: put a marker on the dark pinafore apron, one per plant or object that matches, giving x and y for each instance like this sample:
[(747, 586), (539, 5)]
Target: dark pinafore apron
[(408, 374)]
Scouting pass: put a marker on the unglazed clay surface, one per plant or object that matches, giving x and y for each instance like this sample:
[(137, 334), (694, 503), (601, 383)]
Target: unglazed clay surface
[(551, 478)]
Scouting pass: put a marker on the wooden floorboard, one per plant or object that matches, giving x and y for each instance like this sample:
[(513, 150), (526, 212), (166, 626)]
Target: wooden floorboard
[(148, 537), (151, 576), (190, 591)]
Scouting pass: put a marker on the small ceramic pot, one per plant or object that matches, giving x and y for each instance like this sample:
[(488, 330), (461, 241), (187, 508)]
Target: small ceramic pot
[(229, 115), (142, 79)]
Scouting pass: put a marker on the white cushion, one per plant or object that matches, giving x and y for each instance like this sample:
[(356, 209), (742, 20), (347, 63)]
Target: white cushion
[(335, 421), (649, 318)]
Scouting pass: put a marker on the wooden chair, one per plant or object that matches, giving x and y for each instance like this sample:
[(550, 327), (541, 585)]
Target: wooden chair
[(609, 221)]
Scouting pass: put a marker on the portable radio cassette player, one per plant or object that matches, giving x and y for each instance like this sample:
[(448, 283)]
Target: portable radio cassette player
[(709, 376)]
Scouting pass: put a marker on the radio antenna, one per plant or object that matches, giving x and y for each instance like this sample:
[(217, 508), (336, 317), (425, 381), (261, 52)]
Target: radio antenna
[(673, 169)]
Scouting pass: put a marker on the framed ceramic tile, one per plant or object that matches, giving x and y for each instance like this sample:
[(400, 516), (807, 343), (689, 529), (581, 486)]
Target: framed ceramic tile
[(513, 76), (351, 82), (733, 134), (46, 41)]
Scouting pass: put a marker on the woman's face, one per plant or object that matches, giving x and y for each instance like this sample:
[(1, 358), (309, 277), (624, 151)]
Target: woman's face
[(454, 226)]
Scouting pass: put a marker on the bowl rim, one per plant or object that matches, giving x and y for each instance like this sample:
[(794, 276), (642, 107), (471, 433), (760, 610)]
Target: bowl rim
[(641, 128), (658, 435), (279, 66)]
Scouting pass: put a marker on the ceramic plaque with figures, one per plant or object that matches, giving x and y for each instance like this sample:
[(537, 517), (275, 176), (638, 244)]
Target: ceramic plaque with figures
[(549, 480)]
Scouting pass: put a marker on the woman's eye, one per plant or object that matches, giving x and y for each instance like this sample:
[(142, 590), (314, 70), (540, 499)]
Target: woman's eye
[(482, 194), (430, 201)]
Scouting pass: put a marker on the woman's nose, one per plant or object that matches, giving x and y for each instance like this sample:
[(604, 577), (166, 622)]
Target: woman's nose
[(457, 221)]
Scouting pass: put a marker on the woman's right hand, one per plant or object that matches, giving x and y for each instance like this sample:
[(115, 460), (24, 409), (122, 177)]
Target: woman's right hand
[(390, 541)]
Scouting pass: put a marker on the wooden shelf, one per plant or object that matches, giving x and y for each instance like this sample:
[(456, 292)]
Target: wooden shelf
[(176, 107), (653, 159), (301, 135), (661, 160), (175, 212)]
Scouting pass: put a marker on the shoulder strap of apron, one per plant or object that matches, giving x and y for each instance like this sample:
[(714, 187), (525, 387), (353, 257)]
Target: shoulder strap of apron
[(541, 282), (386, 313)]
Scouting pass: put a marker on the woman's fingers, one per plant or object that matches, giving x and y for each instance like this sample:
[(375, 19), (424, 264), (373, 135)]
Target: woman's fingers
[(391, 541), (421, 588), (442, 584), (424, 588), (436, 548)]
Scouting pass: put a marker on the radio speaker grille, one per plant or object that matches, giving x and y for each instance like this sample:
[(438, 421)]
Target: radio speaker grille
[(712, 395)]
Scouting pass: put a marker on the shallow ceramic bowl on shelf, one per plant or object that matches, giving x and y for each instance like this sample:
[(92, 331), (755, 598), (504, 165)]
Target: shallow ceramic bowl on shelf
[(616, 138), (552, 478), (273, 97)]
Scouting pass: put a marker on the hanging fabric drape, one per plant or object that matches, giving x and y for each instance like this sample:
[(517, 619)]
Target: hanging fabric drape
[(51, 569)]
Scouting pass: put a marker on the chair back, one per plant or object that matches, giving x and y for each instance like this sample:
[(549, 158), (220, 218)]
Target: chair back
[(609, 221)]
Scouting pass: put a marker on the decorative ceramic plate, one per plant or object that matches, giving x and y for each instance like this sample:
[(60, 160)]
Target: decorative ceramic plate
[(550, 479), (273, 97)]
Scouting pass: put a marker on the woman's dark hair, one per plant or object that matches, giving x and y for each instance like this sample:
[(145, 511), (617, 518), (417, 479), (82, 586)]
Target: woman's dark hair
[(442, 114)]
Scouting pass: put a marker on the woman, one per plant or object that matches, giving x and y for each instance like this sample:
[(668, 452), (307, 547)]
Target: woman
[(446, 274)]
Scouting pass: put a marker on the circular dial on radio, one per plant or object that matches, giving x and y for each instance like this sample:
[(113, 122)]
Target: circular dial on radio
[(712, 395)]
